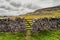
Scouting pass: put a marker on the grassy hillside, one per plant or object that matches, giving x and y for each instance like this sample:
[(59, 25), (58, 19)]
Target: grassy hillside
[(45, 11)]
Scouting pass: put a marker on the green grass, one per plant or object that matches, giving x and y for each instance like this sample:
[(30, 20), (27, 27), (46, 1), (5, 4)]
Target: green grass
[(46, 35), (43, 35), (12, 36)]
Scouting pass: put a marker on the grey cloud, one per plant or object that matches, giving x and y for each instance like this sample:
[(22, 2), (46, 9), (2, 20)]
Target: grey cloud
[(31, 6), (56, 2), (2, 11), (8, 8), (7, 13), (8, 0), (15, 4), (34, 7)]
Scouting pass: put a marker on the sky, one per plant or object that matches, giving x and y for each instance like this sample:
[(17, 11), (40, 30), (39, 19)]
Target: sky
[(19, 7)]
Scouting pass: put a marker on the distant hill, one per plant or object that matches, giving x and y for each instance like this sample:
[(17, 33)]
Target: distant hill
[(45, 11)]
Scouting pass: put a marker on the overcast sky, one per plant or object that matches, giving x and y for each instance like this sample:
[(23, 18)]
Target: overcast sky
[(18, 7)]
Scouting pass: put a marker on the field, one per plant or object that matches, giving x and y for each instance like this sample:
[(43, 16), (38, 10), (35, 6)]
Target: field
[(46, 35), (12, 36), (43, 35)]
